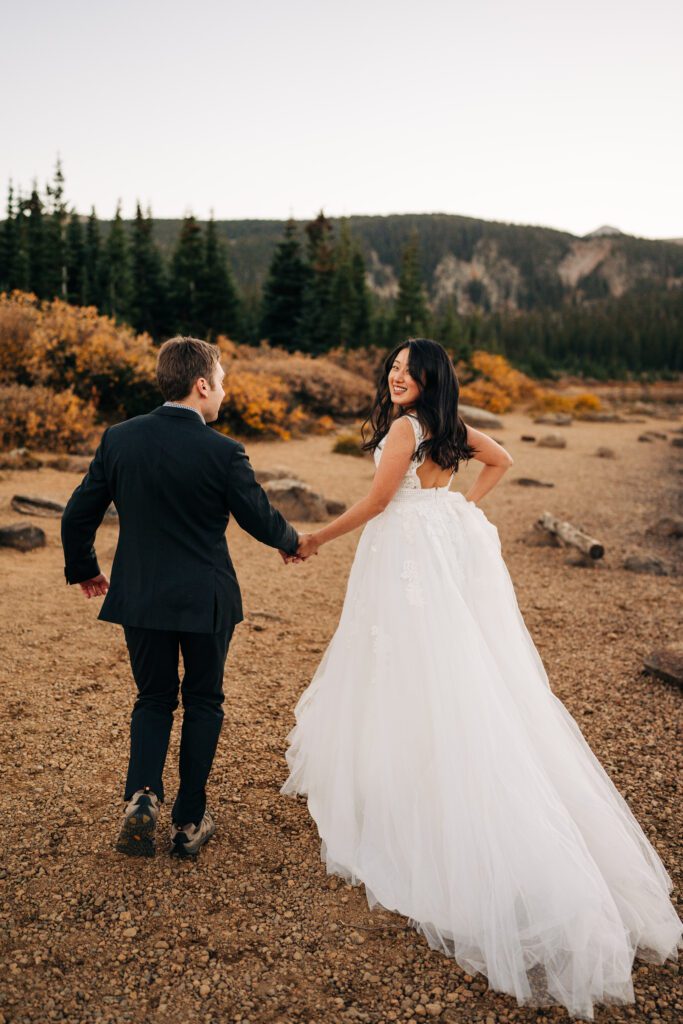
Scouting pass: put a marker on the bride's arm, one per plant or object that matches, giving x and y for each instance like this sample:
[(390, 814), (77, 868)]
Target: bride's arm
[(497, 462), (396, 455)]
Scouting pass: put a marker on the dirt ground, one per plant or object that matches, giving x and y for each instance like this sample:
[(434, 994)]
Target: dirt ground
[(254, 930)]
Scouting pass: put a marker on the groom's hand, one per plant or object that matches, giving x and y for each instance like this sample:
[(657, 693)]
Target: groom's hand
[(96, 587), (308, 545)]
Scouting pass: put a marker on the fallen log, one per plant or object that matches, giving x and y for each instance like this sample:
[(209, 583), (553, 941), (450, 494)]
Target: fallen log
[(570, 535), (36, 506), (29, 506)]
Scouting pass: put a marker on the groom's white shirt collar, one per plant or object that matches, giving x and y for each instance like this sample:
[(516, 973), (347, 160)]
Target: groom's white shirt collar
[(180, 405)]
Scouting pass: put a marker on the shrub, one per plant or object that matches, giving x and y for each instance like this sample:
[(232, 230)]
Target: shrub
[(548, 401), (348, 444), (317, 385), (39, 417), (73, 348)]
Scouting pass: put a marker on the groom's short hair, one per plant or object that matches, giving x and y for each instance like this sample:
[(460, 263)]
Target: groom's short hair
[(181, 361)]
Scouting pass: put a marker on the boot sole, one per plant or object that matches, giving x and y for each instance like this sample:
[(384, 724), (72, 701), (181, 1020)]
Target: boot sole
[(136, 838), (181, 849)]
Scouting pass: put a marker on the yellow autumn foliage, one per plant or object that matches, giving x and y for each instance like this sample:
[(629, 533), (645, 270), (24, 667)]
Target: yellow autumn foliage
[(38, 417)]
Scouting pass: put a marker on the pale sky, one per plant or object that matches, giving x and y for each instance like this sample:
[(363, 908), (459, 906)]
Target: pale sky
[(564, 114)]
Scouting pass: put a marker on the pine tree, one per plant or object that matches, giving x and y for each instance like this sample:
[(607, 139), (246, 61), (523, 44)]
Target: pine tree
[(10, 246), (149, 302), (283, 292), (93, 270), (343, 295), (117, 281), (38, 272), (187, 269), (362, 315), (55, 236), (319, 327), (75, 261), (219, 302), (411, 315)]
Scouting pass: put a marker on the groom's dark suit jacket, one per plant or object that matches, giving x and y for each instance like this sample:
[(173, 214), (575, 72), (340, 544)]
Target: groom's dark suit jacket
[(174, 481)]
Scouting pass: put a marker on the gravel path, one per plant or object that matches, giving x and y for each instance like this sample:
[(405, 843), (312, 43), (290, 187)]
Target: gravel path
[(255, 931)]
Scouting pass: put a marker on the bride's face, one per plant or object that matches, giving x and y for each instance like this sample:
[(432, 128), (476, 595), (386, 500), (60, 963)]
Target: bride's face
[(403, 388)]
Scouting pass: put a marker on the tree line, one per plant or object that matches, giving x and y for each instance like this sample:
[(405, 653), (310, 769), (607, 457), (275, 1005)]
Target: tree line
[(315, 295)]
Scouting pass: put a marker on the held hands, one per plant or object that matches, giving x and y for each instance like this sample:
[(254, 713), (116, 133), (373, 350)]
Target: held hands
[(308, 545), (96, 587)]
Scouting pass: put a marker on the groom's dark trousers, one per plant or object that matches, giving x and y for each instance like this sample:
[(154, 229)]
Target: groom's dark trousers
[(174, 482)]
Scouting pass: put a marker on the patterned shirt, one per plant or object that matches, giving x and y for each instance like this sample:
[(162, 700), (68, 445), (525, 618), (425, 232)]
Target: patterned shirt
[(180, 405)]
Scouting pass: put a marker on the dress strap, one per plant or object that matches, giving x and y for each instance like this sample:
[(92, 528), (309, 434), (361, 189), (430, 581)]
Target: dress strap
[(416, 426)]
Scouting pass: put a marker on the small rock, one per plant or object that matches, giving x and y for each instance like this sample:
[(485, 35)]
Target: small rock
[(434, 1009), (559, 419), (528, 437), (647, 563), (22, 537), (335, 508), (666, 663), (605, 453), (601, 417), (529, 481), (552, 441), (677, 442), (130, 933), (667, 526)]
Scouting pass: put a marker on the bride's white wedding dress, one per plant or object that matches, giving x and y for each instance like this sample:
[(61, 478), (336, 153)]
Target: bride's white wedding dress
[(444, 774)]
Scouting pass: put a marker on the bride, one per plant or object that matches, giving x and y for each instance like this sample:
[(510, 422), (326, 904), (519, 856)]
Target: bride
[(440, 768)]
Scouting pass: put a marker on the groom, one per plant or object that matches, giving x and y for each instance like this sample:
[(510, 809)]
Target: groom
[(174, 482)]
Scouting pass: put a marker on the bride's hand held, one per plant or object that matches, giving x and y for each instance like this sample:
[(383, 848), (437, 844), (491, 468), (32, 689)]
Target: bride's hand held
[(308, 545)]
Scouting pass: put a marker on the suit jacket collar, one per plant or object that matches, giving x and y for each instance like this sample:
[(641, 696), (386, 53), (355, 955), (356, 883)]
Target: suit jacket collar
[(172, 410)]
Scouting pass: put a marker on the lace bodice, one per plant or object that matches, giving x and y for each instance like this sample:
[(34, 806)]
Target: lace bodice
[(411, 481)]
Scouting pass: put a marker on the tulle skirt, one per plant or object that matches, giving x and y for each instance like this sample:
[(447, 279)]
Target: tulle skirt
[(444, 774)]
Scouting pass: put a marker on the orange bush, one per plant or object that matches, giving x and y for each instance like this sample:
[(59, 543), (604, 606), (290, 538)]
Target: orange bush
[(492, 384), (39, 417), (549, 401), (255, 403), (70, 347), (314, 384)]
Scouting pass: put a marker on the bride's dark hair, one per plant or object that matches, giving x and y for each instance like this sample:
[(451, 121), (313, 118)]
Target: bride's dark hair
[(436, 407)]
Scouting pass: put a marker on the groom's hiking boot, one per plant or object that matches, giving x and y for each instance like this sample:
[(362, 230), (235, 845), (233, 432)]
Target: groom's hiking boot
[(136, 837), (187, 840)]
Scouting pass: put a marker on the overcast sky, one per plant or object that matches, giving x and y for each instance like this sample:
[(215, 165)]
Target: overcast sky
[(529, 111)]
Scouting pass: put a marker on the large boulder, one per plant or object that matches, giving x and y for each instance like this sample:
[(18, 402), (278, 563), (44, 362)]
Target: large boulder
[(22, 537), (479, 417), (296, 500)]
